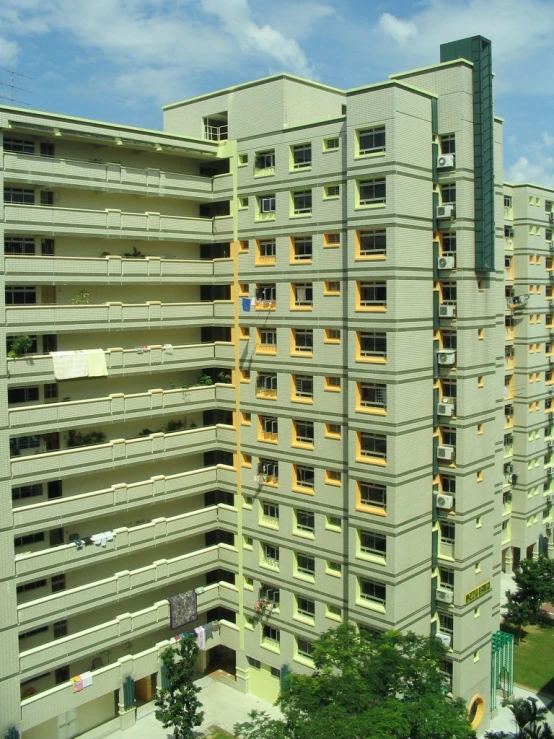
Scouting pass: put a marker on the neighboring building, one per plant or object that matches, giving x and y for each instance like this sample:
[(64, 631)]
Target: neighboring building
[(299, 295)]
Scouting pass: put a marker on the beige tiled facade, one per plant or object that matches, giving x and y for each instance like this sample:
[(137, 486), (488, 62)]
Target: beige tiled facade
[(345, 460)]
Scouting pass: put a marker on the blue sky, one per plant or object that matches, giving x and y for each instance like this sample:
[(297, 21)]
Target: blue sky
[(120, 60)]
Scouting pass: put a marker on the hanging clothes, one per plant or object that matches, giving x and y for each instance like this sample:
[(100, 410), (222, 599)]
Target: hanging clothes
[(200, 638), (246, 304), (96, 363), (69, 365)]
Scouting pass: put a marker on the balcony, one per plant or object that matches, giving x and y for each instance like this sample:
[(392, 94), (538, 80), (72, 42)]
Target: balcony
[(104, 176), (50, 703), (124, 497), (128, 583), (120, 453), (113, 316), (108, 223), (39, 368), (120, 271), (158, 532), (120, 407), (124, 627)]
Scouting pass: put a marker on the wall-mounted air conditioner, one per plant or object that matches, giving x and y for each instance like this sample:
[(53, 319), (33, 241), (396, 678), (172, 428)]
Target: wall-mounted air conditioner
[(446, 211), (445, 501), (446, 639), (445, 161), (445, 596), (446, 262), (445, 452), (447, 311), (447, 357)]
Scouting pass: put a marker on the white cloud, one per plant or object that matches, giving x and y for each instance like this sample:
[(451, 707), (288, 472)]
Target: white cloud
[(396, 29), (162, 49), (540, 171), (547, 139), (254, 38)]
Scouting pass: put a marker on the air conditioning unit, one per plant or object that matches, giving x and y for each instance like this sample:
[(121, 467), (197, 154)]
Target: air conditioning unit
[(445, 501), (513, 479), (444, 595), (549, 529), (550, 500), (446, 211), (446, 639), (445, 161), (447, 357), (446, 262), (447, 311), (445, 452), (445, 409)]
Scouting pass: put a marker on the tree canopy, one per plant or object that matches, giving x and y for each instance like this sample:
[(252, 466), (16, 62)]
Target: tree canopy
[(367, 687), (534, 580), (178, 705)]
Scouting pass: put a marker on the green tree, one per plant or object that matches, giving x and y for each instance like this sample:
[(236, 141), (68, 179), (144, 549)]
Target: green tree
[(367, 687), (534, 580), (178, 705)]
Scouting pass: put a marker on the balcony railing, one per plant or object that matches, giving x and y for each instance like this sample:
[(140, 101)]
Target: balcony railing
[(70, 270), (128, 316), (39, 368)]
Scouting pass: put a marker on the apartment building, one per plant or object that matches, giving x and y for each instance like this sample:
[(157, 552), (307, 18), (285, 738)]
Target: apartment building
[(257, 359)]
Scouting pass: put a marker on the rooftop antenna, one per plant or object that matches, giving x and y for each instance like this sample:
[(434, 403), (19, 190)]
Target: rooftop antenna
[(8, 87)]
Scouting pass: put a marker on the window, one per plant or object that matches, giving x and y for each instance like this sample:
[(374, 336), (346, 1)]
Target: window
[(60, 629), (449, 292), (371, 140), (333, 611), (266, 382), (57, 583), (446, 578), (507, 201), (303, 340), (301, 248), (373, 445), (305, 565), (373, 395), (304, 476), (246, 418), (33, 632), (31, 586), (47, 149), (301, 156), (373, 592), (22, 395), (305, 607), (304, 648), (372, 242), (268, 338), (448, 193), (331, 144), (331, 191), (268, 426), (447, 532), (449, 436), (268, 469), (303, 294), (303, 432), (372, 543), (271, 635), (47, 197), (270, 513), (372, 192), (266, 250), (303, 386), (372, 293), (265, 295), (19, 146), (332, 336), (270, 593), (333, 430), (265, 160), (302, 202), (446, 623), (373, 494), (19, 245), (373, 344), (26, 491), (448, 144), (331, 287), (449, 340), (244, 245), (243, 159), (509, 232), (215, 128), (334, 568), (448, 388), (23, 442), (449, 243), (333, 522), (270, 555), (19, 195), (332, 383), (243, 203), (266, 204), (21, 295), (333, 477), (21, 541), (331, 239)]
